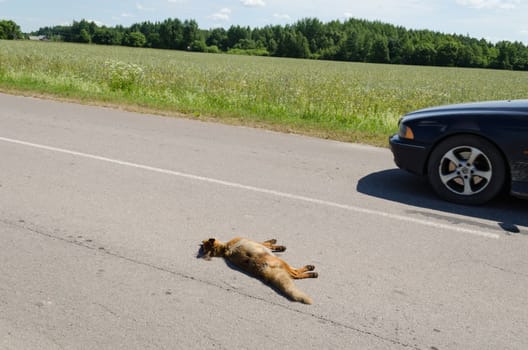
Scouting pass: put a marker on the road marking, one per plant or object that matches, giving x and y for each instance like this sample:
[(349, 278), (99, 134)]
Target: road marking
[(351, 208)]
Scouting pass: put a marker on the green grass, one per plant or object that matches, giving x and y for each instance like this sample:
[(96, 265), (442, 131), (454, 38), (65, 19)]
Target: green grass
[(339, 100)]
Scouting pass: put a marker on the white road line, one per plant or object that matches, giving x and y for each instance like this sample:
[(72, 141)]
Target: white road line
[(259, 190)]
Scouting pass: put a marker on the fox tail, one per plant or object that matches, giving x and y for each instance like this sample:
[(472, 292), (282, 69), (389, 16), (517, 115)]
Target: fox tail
[(284, 284)]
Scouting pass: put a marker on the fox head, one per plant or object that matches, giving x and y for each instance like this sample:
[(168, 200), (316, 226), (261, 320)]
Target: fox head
[(211, 247)]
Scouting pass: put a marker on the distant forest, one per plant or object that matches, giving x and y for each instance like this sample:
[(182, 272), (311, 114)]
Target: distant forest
[(352, 40)]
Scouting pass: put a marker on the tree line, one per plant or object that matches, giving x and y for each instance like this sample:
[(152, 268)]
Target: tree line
[(351, 40)]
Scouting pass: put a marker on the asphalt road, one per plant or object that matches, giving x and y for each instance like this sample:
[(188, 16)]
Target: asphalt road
[(102, 212)]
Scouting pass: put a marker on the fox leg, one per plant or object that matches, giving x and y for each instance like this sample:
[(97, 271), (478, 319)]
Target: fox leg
[(306, 272), (303, 272), (271, 245)]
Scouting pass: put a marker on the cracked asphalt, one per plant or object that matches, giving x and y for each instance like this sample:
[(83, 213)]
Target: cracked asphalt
[(102, 212)]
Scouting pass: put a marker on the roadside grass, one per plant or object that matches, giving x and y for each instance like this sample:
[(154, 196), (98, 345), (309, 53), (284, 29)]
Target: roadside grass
[(346, 101)]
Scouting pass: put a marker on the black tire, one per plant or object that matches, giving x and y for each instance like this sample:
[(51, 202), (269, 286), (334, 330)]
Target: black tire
[(466, 169)]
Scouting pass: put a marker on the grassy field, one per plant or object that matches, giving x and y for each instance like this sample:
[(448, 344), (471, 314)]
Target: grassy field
[(339, 100)]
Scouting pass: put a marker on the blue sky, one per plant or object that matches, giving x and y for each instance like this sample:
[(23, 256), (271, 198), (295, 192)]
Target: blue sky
[(492, 20)]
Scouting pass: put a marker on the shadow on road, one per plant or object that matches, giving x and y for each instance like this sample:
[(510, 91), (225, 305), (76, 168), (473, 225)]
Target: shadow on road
[(509, 213)]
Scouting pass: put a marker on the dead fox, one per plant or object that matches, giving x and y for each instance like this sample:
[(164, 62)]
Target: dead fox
[(258, 260)]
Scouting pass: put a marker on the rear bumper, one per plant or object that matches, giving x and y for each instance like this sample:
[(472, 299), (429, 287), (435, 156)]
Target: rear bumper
[(407, 156)]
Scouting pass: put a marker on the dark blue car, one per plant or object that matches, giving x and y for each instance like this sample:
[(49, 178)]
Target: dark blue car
[(469, 152)]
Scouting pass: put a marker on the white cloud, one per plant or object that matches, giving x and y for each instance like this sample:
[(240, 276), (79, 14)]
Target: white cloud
[(395, 12), (490, 4), (222, 15), (282, 17), (140, 7), (99, 23), (253, 3)]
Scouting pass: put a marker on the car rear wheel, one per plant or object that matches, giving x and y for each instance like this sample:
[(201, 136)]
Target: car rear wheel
[(466, 169)]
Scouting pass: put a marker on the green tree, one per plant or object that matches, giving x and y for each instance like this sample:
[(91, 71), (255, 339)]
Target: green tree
[(349, 48), (235, 34), (447, 52), (246, 44), (135, 39), (314, 32), (104, 36), (379, 51), (465, 57), (81, 32), (171, 34), (9, 30), (84, 36), (198, 46), (294, 44), (191, 33), (351, 40), (217, 37), (503, 59), (423, 54), (153, 40)]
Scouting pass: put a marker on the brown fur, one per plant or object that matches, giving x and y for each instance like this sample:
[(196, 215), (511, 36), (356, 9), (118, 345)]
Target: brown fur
[(258, 260)]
